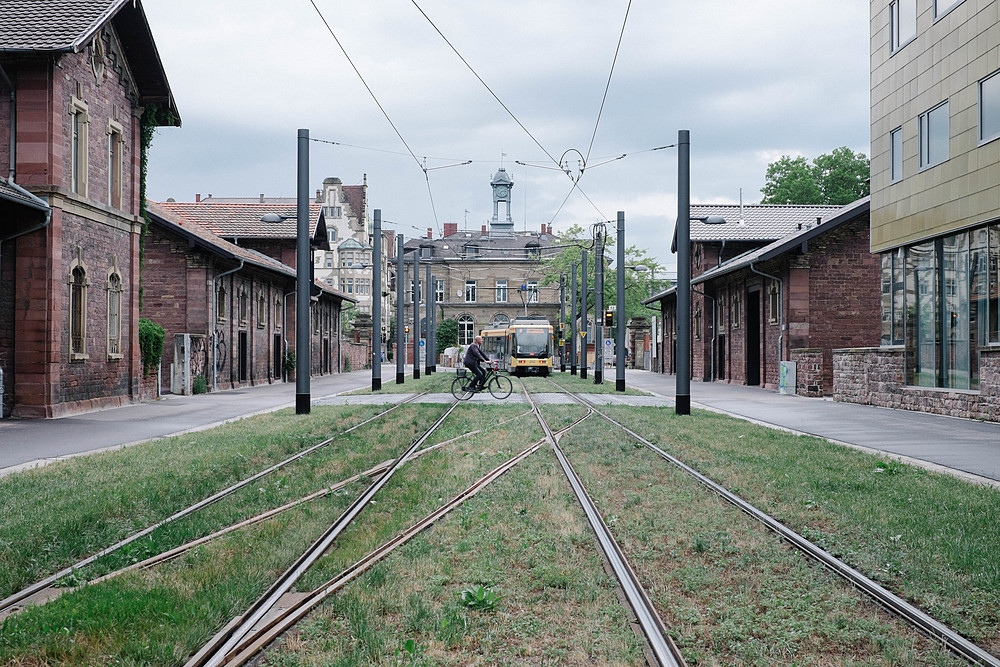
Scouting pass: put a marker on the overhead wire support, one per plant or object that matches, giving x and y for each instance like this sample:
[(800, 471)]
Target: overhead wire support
[(614, 61)]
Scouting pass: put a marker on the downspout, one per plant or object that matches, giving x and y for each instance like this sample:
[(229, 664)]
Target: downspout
[(781, 311), (215, 335), (13, 122), (284, 330), (40, 205), (714, 330)]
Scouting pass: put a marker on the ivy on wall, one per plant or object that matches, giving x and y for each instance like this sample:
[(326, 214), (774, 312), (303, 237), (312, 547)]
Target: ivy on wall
[(152, 117)]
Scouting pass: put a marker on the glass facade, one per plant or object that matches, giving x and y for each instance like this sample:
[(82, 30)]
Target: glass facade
[(989, 107)]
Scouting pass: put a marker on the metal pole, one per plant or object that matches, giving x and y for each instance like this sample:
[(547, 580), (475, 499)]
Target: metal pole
[(620, 301), (428, 296), (377, 304), (682, 405), (432, 318), (303, 285), (400, 307), (583, 315), (416, 313), (572, 323), (599, 309), (562, 322)]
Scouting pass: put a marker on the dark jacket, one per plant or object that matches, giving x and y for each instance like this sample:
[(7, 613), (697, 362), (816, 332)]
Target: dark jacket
[(473, 355)]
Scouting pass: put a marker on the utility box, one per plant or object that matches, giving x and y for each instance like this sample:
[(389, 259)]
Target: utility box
[(786, 378), (188, 362)]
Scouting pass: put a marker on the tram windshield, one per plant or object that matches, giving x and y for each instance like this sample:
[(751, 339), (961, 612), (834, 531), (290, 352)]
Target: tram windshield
[(533, 342)]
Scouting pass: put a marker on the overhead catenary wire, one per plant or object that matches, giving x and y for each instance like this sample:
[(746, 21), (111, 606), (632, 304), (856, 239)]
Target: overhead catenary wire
[(614, 61)]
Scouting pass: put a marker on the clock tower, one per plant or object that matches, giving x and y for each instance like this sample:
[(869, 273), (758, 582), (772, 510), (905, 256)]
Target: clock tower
[(502, 185)]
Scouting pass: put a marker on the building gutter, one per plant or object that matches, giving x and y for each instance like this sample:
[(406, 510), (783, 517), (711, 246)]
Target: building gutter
[(214, 315), (781, 309)]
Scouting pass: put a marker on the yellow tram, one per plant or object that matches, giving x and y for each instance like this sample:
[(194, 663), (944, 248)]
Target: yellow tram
[(522, 346)]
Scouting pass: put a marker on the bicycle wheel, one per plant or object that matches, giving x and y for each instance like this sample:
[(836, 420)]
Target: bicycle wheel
[(500, 386), (460, 389)]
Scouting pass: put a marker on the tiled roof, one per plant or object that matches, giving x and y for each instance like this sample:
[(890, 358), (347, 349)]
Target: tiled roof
[(355, 199), (244, 220), (490, 247), (53, 25), (760, 222)]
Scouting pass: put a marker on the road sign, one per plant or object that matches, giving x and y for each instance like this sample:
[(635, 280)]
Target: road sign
[(422, 342)]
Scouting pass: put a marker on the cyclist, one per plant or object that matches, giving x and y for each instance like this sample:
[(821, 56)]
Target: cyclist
[(474, 355)]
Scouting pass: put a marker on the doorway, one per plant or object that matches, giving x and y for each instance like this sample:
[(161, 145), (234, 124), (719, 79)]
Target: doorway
[(277, 370), (753, 338), (243, 360), (720, 359)]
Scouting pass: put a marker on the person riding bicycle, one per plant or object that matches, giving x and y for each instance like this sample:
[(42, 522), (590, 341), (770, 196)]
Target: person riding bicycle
[(474, 355)]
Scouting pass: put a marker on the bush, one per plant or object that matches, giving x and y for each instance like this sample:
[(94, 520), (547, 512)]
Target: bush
[(200, 385), (288, 365), (447, 334), (150, 344)]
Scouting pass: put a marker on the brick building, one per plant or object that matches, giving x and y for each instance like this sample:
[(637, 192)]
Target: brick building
[(76, 79), (228, 311)]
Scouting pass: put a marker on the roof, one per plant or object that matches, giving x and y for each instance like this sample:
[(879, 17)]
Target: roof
[(243, 221), (68, 26), (355, 195), (352, 244), (216, 245), (14, 198), (453, 246), (757, 222), (808, 231)]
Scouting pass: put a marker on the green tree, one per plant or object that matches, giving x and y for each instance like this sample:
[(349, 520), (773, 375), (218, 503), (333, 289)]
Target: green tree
[(447, 334), (837, 178)]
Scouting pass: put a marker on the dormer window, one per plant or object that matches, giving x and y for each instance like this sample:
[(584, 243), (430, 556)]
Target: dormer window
[(425, 252), (471, 251), (532, 250)]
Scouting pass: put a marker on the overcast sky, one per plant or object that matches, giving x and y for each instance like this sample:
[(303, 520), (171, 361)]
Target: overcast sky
[(751, 79)]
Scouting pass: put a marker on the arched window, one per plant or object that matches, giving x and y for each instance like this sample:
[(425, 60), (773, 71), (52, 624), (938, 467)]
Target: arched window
[(277, 313), (78, 313), (466, 327), (500, 320), (244, 305), (220, 303), (114, 289), (261, 310)]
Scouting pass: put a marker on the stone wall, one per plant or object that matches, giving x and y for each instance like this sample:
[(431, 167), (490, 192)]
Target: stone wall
[(809, 368), (874, 376), (355, 354)]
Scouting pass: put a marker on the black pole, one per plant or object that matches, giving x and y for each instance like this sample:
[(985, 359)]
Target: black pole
[(416, 313), (562, 322), (682, 404), (599, 309), (572, 323), (400, 307), (303, 282), (432, 319), (377, 303), (428, 296), (620, 315), (583, 315)]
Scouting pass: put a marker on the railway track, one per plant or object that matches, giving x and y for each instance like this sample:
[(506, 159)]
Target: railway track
[(889, 601), (11, 601)]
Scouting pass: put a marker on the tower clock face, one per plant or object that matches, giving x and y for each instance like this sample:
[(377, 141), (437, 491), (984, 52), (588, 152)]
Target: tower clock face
[(502, 191)]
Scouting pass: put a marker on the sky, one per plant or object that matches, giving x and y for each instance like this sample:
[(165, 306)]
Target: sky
[(751, 80)]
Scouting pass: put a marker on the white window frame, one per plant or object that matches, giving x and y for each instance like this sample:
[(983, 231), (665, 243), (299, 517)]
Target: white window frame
[(470, 291), (896, 155), (466, 329), (438, 291), (532, 289), (501, 296), (924, 124), (994, 82)]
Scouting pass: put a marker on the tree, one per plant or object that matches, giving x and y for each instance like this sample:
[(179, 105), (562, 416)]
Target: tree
[(837, 178), (446, 334)]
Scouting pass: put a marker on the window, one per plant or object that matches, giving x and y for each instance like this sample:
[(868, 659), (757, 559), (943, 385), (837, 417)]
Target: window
[(697, 322), (500, 320), (466, 326), (114, 290), (737, 309), (902, 22), (244, 305), (933, 127), (220, 303), (501, 291), (315, 318), (989, 107), (348, 285), (80, 124), (277, 313), (438, 291), (471, 251), (115, 146), (532, 289), (331, 235), (329, 260), (892, 297), (532, 250), (470, 291), (78, 284), (425, 252), (261, 310), (896, 154), (773, 302), (942, 7)]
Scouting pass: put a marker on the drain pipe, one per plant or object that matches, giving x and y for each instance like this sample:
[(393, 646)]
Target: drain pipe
[(284, 330), (781, 310), (41, 205), (13, 122), (215, 315), (715, 330)]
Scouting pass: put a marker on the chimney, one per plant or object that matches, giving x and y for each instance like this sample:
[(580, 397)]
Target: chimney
[(261, 197), (319, 196), (543, 228), (430, 233), (819, 220), (550, 230), (450, 228), (197, 198), (484, 230)]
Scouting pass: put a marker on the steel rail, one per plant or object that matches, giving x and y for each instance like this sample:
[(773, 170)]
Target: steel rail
[(214, 653), (664, 651), (266, 634), (43, 584), (927, 625)]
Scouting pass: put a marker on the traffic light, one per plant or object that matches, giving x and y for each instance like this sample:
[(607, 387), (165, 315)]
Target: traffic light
[(609, 318), (406, 330)]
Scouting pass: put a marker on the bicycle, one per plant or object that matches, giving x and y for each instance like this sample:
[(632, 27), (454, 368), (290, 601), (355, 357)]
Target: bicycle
[(496, 382)]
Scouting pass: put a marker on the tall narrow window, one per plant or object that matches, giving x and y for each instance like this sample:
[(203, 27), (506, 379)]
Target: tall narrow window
[(79, 127), (220, 303), (773, 302), (532, 288), (276, 316), (470, 291), (893, 294), (244, 305), (501, 291), (115, 145), (896, 154), (78, 312), (737, 309), (261, 310), (933, 126), (439, 291), (989, 107), (902, 22), (466, 325), (114, 289)]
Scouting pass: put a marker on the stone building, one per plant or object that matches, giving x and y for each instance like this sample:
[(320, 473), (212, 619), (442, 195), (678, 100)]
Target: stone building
[(228, 311), (76, 80), (487, 277), (935, 206)]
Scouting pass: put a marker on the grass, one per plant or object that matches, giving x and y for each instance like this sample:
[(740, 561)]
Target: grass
[(574, 383), (733, 593), (437, 383)]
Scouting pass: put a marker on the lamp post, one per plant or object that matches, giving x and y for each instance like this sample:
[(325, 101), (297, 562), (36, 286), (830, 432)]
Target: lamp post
[(620, 307), (572, 322), (599, 309), (303, 280), (416, 314), (583, 315), (400, 307), (428, 300), (377, 304), (682, 405), (562, 322)]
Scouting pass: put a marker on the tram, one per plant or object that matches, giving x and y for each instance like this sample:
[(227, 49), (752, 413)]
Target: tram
[(525, 345)]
